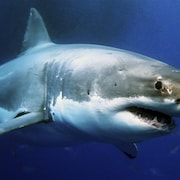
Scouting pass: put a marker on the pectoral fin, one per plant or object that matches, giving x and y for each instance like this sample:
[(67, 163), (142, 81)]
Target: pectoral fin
[(129, 149), (20, 121)]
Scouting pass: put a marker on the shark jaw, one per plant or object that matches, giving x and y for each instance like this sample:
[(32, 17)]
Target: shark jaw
[(153, 118)]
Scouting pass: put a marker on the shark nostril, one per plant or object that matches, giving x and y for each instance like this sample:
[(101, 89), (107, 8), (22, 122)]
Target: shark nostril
[(177, 101)]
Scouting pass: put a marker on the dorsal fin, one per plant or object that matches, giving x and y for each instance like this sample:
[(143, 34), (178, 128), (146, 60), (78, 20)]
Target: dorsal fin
[(36, 32)]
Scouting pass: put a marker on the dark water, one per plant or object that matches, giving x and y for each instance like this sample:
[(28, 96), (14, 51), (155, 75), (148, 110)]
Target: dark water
[(150, 27)]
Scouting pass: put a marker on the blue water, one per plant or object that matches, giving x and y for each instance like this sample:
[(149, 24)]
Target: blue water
[(149, 27)]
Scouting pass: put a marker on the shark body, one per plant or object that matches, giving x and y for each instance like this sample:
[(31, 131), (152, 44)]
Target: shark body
[(68, 94)]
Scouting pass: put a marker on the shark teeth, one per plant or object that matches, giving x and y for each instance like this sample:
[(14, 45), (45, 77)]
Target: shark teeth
[(153, 118)]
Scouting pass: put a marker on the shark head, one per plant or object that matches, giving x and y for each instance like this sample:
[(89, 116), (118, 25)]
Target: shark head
[(122, 96), (144, 96)]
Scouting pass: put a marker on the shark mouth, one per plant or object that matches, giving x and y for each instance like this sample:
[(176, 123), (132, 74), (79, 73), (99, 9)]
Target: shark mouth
[(154, 118)]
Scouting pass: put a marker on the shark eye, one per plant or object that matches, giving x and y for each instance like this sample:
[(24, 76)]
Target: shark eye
[(158, 85)]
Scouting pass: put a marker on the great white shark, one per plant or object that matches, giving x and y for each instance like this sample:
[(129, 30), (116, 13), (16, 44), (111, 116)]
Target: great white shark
[(63, 95)]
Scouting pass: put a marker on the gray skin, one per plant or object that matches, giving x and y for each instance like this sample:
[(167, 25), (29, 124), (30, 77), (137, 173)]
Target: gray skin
[(68, 94)]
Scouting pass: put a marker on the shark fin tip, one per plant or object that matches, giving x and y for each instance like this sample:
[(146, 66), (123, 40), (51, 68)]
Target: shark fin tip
[(129, 149), (36, 32)]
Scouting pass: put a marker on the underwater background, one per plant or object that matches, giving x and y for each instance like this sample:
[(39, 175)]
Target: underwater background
[(149, 27)]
